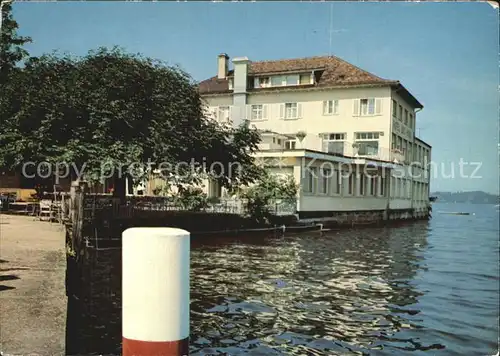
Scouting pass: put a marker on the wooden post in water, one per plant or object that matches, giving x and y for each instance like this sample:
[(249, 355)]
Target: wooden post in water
[(155, 292)]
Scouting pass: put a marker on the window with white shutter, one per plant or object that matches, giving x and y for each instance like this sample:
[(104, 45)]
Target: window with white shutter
[(264, 112), (223, 114), (330, 107), (292, 111), (367, 107), (257, 112), (248, 112), (378, 106), (355, 109), (282, 111)]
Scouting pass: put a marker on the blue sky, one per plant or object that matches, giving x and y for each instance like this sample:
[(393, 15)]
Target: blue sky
[(446, 54)]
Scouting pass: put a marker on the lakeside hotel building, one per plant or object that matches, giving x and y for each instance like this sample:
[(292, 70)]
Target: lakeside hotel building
[(347, 136)]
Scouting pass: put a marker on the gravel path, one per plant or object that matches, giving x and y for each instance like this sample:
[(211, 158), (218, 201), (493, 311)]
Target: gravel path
[(32, 289)]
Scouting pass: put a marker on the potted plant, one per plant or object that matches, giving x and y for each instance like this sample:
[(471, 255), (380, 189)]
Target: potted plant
[(300, 135)]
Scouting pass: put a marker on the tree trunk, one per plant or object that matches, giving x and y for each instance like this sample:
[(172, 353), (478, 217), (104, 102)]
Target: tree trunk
[(119, 188)]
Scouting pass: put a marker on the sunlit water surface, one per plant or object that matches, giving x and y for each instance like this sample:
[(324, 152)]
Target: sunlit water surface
[(423, 288)]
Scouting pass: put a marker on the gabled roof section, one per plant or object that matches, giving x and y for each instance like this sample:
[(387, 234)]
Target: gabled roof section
[(333, 71), (422, 141), (330, 71), (214, 85)]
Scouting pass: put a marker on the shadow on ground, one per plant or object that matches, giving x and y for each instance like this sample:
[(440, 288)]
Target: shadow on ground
[(8, 277)]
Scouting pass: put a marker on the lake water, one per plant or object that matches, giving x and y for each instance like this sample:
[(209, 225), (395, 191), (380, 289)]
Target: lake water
[(422, 288)]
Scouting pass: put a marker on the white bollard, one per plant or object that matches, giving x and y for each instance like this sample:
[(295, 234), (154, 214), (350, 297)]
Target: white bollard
[(155, 292)]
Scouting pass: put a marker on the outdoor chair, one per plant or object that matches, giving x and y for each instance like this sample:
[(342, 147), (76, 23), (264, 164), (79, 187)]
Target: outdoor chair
[(45, 213)]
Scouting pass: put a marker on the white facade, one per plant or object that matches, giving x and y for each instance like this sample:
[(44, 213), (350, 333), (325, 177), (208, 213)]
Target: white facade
[(349, 124)]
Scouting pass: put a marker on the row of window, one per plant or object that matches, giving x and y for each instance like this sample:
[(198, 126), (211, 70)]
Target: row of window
[(402, 115), (278, 81), (256, 112), (367, 143), (283, 80), (412, 152), (289, 144), (330, 182), (401, 188)]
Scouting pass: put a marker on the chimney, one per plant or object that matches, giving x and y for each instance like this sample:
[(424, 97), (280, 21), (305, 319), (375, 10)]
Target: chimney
[(240, 74), (222, 66), (238, 112)]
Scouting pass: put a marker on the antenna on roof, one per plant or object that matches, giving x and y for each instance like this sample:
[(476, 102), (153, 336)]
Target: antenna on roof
[(331, 30)]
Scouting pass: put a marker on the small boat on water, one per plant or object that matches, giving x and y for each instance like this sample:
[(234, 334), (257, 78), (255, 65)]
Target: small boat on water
[(456, 213)]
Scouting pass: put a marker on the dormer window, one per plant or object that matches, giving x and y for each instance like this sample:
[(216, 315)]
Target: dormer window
[(277, 81), (264, 82), (292, 79), (283, 80), (261, 82), (305, 79)]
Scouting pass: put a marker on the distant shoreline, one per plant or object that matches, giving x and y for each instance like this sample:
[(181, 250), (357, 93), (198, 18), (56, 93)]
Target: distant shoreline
[(474, 197)]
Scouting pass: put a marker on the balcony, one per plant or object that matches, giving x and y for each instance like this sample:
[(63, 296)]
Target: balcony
[(366, 148), (338, 148)]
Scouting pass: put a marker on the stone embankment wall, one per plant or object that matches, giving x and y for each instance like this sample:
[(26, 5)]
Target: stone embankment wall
[(371, 217), (94, 303)]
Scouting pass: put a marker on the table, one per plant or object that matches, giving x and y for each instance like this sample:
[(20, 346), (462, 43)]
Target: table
[(28, 208)]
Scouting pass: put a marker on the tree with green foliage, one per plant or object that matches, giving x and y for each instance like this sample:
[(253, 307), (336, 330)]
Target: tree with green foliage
[(110, 110), (11, 44), (267, 192)]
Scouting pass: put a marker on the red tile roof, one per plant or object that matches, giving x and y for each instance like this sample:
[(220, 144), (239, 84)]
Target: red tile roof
[(335, 71), (332, 72)]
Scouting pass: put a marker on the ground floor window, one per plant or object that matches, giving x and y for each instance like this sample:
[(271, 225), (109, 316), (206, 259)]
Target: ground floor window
[(367, 143), (362, 184), (310, 178), (325, 178), (338, 181), (373, 186), (351, 184), (290, 144), (382, 186), (333, 143)]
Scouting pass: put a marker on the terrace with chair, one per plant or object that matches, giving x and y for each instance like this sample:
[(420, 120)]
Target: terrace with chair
[(43, 206)]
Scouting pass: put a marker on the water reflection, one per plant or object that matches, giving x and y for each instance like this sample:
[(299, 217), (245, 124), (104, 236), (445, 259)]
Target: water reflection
[(421, 288), (347, 292)]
